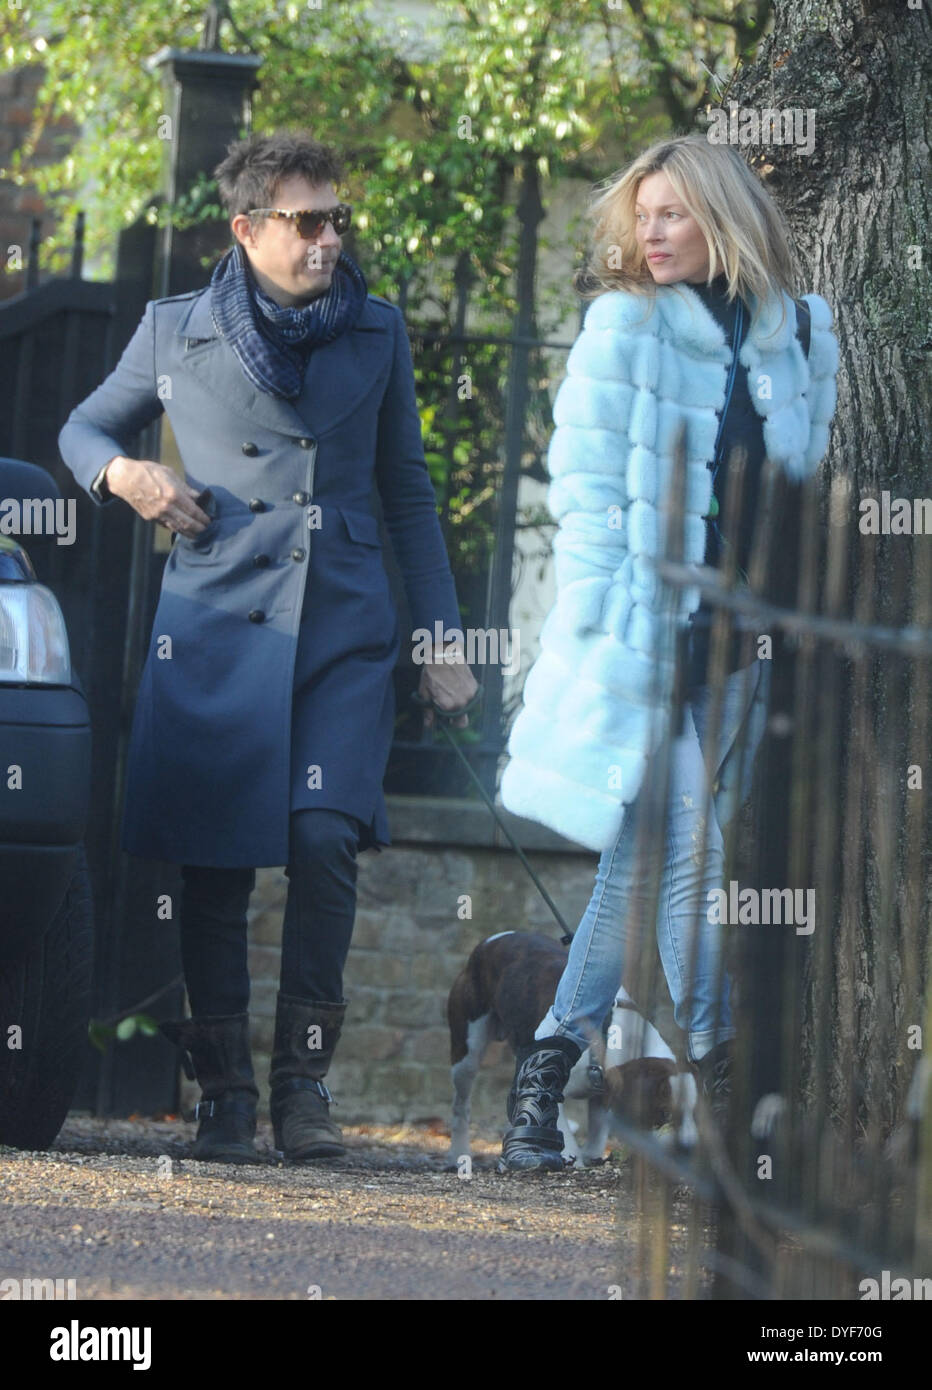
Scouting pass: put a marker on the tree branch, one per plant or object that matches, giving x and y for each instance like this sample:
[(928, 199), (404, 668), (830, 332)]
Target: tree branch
[(668, 73), (730, 20), (612, 53)]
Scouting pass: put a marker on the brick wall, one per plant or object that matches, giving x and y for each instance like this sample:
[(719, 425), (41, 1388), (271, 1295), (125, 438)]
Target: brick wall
[(19, 204), (393, 1062)]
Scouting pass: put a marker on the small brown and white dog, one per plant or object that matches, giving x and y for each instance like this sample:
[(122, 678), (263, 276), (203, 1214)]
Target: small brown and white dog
[(503, 992)]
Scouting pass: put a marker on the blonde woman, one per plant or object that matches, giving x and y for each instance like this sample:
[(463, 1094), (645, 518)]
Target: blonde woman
[(692, 323)]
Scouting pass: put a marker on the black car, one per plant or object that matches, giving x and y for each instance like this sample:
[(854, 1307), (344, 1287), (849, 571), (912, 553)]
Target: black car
[(46, 915)]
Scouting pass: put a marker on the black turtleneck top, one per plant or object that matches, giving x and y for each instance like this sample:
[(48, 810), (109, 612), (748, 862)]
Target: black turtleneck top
[(742, 426)]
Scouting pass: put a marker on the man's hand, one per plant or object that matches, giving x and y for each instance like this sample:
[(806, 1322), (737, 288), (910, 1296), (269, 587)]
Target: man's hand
[(157, 494), (449, 682)]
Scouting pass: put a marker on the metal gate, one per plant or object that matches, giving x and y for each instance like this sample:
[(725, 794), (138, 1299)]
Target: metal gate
[(58, 340)]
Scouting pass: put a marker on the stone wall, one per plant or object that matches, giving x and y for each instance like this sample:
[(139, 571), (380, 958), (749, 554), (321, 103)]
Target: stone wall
[(393, 1061)]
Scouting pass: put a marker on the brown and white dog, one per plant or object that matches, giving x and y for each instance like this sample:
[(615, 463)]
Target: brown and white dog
[(503, 992)]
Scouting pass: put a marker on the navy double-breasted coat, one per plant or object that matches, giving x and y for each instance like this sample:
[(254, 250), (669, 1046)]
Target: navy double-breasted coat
[(267, 686)]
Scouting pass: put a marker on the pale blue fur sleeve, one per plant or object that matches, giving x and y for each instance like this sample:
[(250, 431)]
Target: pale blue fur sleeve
[(823, 367)]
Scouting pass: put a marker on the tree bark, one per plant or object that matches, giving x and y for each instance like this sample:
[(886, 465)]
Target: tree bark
[(855, 206), (858, 209)]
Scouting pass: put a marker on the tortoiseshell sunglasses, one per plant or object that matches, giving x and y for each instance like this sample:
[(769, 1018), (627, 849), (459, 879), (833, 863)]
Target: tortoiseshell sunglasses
[(311, 223)]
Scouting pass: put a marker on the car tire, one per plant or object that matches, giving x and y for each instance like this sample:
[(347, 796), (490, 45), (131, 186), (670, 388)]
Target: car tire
[(48, 994)]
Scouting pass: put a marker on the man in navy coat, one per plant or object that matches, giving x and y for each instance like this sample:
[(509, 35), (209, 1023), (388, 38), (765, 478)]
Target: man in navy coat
[(265, 710)]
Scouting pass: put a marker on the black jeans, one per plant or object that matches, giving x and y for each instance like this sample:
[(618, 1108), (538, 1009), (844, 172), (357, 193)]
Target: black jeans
[(316, 931)]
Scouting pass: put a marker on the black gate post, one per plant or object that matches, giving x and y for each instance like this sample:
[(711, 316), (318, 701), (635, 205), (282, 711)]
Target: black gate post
[(530, 214), (208, 105)]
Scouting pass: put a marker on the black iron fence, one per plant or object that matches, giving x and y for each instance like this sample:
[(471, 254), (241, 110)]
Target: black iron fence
[(817, 1182)]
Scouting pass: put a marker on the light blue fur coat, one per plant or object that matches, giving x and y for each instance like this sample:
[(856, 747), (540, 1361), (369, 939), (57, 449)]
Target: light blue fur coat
[(639, 368)]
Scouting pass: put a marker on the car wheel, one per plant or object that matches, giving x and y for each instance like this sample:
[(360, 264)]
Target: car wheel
[(47, 993)]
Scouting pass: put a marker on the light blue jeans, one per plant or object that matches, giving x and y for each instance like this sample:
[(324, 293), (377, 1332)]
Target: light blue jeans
[(597, 955)]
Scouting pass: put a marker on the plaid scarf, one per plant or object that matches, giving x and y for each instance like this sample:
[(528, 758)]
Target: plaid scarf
[(273, 345)]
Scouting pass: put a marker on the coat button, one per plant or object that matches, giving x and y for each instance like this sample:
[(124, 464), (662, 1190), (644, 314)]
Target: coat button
[(256, 504), (260, 561), (297, 555), (306, 443), (300, 498), (250, 448), (257, 616)]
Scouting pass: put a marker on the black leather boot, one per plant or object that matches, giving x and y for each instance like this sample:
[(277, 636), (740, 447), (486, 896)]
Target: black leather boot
[(534, 1142), (715, 1074), (216, 1054), (306, 1034)]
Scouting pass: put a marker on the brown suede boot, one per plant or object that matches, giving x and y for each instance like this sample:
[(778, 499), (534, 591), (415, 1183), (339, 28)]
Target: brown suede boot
[(306, 1033), (218, 1056)]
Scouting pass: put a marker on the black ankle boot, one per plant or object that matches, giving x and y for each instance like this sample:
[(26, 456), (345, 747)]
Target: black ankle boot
[(534, 1142), (299, 1100), (715, 1073), (218, 1056)]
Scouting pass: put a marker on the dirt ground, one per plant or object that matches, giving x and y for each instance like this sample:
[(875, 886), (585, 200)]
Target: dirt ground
[(118, 1206)]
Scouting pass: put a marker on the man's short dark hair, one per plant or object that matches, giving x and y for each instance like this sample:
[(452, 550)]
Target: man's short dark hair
[(253, 168)]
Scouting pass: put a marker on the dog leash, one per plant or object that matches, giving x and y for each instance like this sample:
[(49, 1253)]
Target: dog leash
[(444, 715)]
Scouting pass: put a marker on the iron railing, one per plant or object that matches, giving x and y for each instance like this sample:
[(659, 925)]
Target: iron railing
[(821, 1176)]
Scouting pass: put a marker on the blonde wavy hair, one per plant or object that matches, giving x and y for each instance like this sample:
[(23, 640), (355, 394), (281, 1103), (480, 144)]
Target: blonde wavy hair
[(743, 228)]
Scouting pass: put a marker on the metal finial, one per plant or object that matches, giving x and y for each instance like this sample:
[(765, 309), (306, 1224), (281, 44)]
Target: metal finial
[(217, 12)]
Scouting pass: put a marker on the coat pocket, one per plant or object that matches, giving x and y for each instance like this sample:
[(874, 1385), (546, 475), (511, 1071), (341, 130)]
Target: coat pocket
[(361, 526), (204, 543), (200, 547)]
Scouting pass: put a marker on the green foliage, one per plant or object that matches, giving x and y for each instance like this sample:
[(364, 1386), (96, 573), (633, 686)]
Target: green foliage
[(433, 125), (122, 1030), (438, 129)]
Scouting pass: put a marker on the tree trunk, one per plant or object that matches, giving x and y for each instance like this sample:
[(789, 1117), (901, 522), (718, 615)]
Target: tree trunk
[(858, 209), (845, 819)]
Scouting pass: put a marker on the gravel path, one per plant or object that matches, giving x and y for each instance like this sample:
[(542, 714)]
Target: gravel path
[(118, 1206)]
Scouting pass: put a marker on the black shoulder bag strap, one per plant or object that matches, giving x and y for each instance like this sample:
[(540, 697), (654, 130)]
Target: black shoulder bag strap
[(803, 325)]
